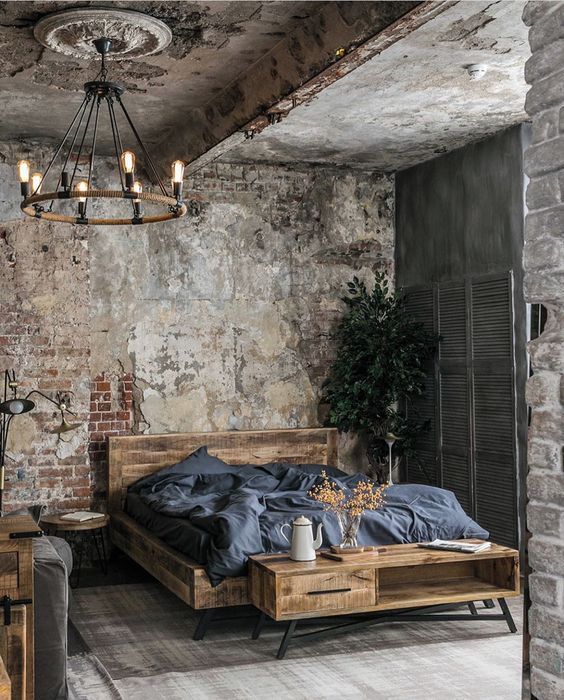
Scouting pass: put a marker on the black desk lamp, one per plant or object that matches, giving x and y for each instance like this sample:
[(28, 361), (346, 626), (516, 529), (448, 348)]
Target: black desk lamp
[(15, 406)]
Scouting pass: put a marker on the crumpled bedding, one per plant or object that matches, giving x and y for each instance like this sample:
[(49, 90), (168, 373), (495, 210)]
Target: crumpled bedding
[(243, 508)]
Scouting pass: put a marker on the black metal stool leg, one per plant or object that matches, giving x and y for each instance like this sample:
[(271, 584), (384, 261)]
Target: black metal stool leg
[(489, 604), (259, 625), (203, 623), (472, 608), (507, 615), (290, 629)]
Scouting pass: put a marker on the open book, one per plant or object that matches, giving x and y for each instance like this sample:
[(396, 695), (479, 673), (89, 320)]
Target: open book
[(81, 516), (456, 546)]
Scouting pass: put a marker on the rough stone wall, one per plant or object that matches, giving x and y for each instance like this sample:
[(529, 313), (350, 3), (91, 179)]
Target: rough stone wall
[(544, 283), (220, 320)]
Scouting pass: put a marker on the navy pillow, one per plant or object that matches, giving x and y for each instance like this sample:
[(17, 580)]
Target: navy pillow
[(199, 462)]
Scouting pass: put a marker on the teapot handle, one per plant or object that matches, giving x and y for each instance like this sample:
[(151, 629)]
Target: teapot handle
[(282, 531)]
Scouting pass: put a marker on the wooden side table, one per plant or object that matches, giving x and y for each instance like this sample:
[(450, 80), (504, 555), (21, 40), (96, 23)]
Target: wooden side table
[(76, 534), (404, 583)]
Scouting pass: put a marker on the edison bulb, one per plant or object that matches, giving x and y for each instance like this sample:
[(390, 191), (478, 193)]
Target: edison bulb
[(178, 171), (82, 187), (24, 170), (36, 183), (128, 161), (137, 187)]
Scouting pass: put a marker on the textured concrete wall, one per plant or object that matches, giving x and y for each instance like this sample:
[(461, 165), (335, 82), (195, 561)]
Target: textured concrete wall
[(223, 318), (220, 320), (544, 283)]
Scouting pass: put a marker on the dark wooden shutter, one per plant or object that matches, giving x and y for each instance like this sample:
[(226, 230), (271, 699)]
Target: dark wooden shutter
[(454, 398), (424, 470), (470, 399), (494, 408)]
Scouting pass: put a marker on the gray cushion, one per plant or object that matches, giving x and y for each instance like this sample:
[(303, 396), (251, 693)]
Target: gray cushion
[(52, 563)]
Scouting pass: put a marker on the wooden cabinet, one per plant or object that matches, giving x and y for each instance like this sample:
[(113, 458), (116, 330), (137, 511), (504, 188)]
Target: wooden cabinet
[(404, 576), (16, 583)]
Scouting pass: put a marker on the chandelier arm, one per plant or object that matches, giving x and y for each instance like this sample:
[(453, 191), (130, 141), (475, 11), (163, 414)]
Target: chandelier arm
[(117, 141), (94, 135), (61, 144), (81, 144), (83, 106), (143, 148)]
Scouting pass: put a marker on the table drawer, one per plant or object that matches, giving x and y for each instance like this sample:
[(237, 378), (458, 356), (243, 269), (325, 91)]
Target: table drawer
[(326, 592)]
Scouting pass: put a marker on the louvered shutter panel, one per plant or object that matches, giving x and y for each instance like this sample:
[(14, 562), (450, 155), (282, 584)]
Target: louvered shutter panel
[(494, 408), (420, 304), (470, 399), (454, 395)]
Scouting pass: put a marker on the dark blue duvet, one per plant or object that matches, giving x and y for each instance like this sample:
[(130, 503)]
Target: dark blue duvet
[(242, 508)]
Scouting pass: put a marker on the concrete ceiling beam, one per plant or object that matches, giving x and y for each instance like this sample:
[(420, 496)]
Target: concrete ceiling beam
[(326, 47)]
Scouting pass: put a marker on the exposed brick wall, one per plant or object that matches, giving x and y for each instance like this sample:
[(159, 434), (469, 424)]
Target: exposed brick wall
[(45, 338), (544, 283), (111, 413)]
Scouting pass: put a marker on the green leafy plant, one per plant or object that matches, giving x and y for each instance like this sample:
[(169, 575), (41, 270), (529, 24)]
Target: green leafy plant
[(380, 365)]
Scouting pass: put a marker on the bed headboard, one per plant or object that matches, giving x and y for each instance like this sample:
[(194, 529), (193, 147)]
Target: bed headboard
[(131, 457)]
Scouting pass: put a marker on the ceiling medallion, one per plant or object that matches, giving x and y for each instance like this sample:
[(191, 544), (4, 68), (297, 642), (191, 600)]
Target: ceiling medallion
[(72, 32), (79, 146)]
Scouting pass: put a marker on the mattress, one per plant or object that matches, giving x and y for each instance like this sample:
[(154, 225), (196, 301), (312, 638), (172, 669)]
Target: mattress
[(178, 533)]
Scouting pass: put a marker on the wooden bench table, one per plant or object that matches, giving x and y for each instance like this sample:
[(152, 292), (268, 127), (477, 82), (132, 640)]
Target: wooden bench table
[(403, 582)]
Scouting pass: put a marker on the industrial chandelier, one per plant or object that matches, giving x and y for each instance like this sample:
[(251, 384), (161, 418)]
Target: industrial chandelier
[(79, 145)]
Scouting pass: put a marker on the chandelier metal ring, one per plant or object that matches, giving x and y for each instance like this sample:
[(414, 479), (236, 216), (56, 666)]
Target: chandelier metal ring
[(175, 209)]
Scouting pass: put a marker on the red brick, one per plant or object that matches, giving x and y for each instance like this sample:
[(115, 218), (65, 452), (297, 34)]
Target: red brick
[(103, 427), (103, 386)]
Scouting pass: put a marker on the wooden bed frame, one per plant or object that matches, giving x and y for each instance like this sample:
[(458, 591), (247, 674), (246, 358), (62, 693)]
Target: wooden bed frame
[(134, 456)]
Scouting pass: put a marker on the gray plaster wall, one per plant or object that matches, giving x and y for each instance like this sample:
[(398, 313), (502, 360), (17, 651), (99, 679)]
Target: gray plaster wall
[(224, 317)]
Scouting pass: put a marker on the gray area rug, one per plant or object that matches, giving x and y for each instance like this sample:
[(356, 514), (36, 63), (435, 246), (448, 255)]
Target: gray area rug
[(140, 643)]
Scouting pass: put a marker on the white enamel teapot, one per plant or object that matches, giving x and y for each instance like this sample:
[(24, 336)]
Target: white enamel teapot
[(303, 545)]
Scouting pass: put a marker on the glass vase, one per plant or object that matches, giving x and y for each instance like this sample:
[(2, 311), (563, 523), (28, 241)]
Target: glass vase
[(348, 525)]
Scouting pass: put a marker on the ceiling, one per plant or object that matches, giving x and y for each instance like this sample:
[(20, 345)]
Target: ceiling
[(409, 103), (213, 42), (413, 101)]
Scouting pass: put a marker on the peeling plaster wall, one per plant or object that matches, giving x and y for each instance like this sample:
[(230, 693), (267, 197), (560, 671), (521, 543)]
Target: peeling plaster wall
[(219, 320), (223, 318), (45, 338)]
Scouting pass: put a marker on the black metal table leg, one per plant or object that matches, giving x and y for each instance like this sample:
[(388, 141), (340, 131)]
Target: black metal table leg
[(203, 623), (100, 549), (290, 629), (507, 615), (259, 625), (472, 608), (79, 549)]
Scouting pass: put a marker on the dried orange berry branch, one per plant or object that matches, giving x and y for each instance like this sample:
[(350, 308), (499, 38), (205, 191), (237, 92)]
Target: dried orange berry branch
[(364, 496)]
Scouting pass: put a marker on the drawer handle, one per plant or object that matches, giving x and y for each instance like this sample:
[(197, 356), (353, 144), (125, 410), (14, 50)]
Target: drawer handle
[(332, 590)]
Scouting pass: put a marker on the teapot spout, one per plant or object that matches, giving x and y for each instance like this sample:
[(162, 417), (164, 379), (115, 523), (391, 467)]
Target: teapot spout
[(319, 538)]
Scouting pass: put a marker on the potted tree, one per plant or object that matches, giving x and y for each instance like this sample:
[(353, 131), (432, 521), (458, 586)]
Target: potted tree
[(380, 365)]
